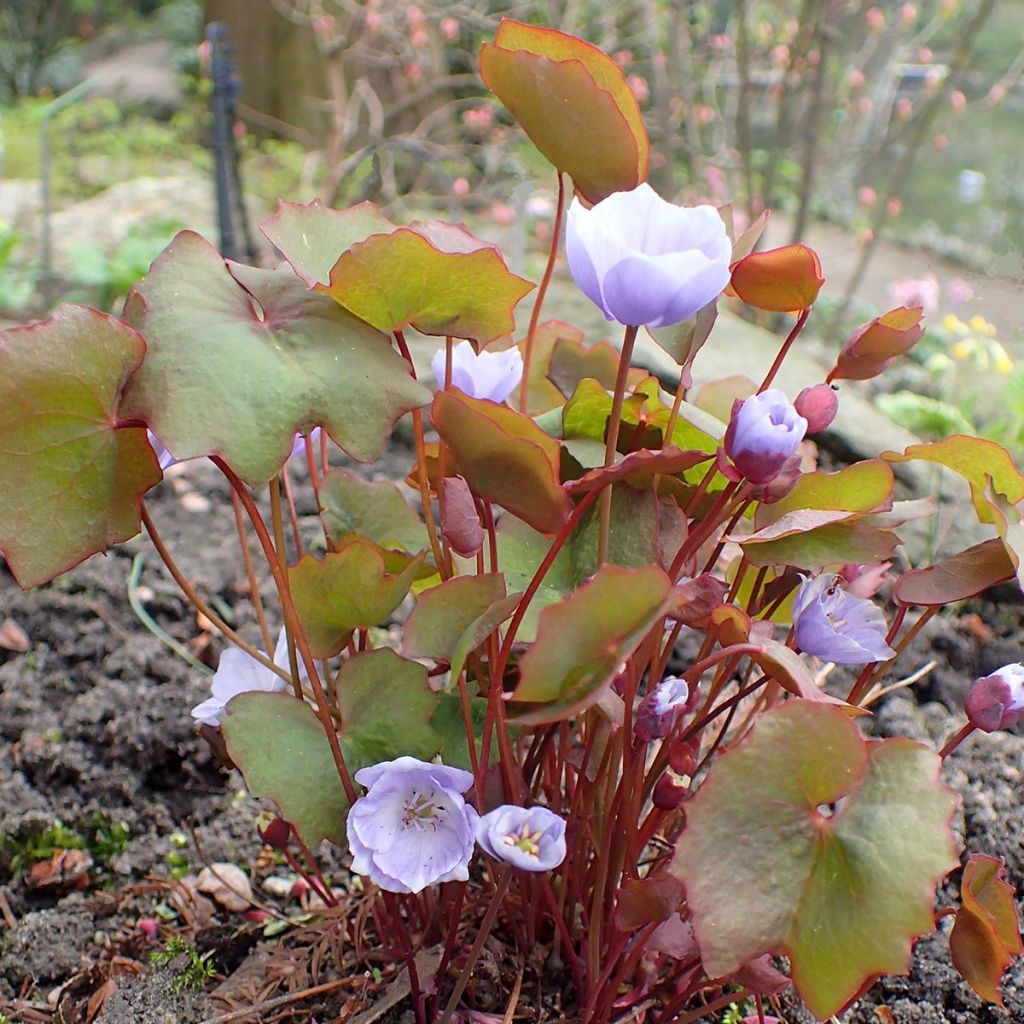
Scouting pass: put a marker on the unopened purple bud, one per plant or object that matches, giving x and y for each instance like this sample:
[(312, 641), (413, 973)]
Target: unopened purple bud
[(996, 701), (764, 431), (835, 626), (660, 709), (532, 840), (669, 792), (818, 405), (273, 831)]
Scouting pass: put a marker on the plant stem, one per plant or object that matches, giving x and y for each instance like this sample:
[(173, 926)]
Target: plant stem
[(250, 573), (614, 422), (556, 230), (956, 740), (282, 554), (784, 351)]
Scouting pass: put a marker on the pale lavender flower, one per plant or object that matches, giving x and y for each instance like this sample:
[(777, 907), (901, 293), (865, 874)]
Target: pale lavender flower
[(490, 375), (412, 828), (835, 626), (764, 431), (239, 672), (645, 261), (299, 444), (996, 701), (163, 456), (533, 840), (661, 708)]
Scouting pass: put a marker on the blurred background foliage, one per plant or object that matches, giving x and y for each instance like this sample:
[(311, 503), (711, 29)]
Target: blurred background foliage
[(887, 131)]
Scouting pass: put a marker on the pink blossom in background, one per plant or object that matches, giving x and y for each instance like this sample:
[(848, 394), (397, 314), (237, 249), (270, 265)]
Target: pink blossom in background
[(780, 55), (450, 29), (503, 214), (940, 142), (908, 14), (958, 291), (894, 207), (864, 236), (874, 18), (857, 78), (704, 113), (925, 56), (478, 118), (864, 105), (373, 21), (418, 38), (413, 72), (867, 196), (460, 188), (904, 108), (921, 291), (414, 16), (996, 94), (623, 57), (957, 100), (638, 87)]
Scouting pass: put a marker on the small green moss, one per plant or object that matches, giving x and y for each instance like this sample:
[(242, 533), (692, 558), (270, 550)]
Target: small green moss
[(197, 970)]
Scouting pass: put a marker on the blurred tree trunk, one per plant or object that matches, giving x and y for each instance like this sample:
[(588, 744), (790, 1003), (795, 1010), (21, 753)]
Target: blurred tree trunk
[(281, 69)]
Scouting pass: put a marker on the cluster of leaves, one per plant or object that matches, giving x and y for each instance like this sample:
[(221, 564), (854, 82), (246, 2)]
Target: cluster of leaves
[(102, 838), (578, 530)]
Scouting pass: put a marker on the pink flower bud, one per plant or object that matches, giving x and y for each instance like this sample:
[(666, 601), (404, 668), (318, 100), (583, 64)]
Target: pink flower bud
[(660, 709), (904, 108), (668, 793), (149, 926), (638, 87), (867, 195), (857, 78), (780, 55), (958, 101), (818, 405), (996, 701), (418, 38), (874, 18), (450, 29)]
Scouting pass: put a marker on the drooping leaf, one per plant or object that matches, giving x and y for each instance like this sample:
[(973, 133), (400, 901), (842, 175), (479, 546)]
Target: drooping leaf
[(986, 933), (779, 280), (210, 326), (965, 574), (404, 278), (638, 467), (386, 706), (460, 520), (1009, 526), (479, 629), (791, 672), (862, 487), (505, 457), (975, 459), (348, 589), (350, 504), (573, 102), (582, 641), (312, 236), (872, 347), (443, 613), (72, 479), (280, 746), (851, 886)]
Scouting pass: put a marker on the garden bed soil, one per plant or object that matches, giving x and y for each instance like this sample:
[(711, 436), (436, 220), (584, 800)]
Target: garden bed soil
[(95, 733)]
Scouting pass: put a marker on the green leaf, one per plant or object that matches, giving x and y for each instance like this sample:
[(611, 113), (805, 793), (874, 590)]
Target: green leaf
[(573, 102), (816, 539), (582, 641), (443, 613), (505, 457), (863, 487), (975, 459), (403, 278), (963, 575), (349, 589), (922, 415), (239, 359), (450, 725), (1009, 527), (377, 510), (633, 535), (684, 340), (71, 478), (281, 749), (312, 236), (386, 705), (851, 889)]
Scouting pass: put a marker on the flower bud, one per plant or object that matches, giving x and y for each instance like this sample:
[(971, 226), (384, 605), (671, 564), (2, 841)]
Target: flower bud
[(996, 701), (658, 712), (669, 792), (273, 831), (818, 405), (764, 431)]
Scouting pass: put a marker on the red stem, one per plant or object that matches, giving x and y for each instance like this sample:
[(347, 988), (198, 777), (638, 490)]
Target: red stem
[(784, 351)]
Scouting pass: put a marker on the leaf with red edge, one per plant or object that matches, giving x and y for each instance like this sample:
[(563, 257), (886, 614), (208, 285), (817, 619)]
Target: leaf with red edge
[(312, 236), (876, 344), (649, 900), (986, 933), (852, 886), (543, 394), (572, 361), (582, 641), (863, 487), (348, 589), (638, 468), (978, 461), (1009, 526), (443, 613), (573, 102), (779, 280), (239, 359), (966, 574), (505, 457), (71, 478), (790, 671), (403, 278)]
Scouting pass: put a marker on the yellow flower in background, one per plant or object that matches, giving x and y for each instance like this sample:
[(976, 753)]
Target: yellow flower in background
[(980, 325), (961, 351), (951, 322), (1001, 358)]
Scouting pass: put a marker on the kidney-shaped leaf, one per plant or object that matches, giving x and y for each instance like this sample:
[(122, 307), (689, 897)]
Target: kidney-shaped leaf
[(505, 457), (979, 461), (239, 359), (779, 280), (573, 102), (862, 487), (582, 641), (854, 837), (349, 589), (280, 746), (965, 574), (350, 504), (986, 933), (404, 278), (815, 539), (71, 478), (443, 613)]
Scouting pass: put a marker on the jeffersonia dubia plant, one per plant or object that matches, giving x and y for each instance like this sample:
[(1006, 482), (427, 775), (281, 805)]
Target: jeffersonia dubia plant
[(517, 761)]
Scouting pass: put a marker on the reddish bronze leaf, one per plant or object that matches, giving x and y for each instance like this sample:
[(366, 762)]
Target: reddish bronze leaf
[(779, 280)]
